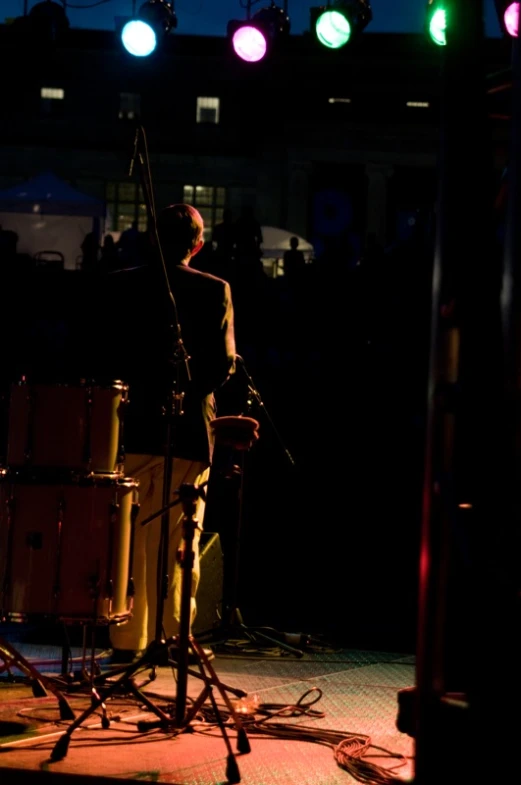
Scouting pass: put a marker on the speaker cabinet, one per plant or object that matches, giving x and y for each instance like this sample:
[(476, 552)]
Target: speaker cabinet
[(210, 590)]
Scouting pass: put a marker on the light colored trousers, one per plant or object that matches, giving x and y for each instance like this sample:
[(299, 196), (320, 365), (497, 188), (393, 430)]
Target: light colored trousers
[(140, 629)]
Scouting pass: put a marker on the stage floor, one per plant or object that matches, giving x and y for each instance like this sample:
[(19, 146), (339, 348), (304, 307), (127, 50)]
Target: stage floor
[(353, 693)]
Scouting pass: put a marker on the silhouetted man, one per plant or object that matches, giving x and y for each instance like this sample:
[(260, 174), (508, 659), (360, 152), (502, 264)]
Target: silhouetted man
[(147, 363)]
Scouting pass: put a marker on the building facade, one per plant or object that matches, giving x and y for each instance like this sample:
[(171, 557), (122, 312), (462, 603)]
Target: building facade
[(330, 145)]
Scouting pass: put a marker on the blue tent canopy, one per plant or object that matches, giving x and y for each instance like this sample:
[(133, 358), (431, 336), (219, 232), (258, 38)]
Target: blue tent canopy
[(48, 195)]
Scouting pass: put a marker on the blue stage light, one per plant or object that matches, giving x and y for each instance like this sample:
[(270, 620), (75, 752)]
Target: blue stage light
[(138, 38), (142, 35)]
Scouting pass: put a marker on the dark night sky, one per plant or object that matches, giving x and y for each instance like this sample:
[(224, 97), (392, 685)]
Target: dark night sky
[(209, 17)]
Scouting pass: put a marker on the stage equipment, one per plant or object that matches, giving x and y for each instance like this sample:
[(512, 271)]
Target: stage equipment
[(260, 34), (235, 435), (47, 22), (211, 580), (65, 548), (40, 28), (337, 22), (67, 427), (67, 511), (470, 538), (11, 658), (511, 19), (159, 650), (142, 34), (438, 18), (176, 717)]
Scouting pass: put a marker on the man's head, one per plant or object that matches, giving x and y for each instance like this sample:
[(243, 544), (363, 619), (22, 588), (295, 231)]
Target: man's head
[(180, 229)]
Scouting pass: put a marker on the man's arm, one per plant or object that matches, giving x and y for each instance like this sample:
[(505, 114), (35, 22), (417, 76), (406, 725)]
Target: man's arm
[(228, 335), (214, 351)]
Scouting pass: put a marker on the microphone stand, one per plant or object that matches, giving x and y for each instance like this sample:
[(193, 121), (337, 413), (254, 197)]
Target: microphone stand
[(232, 622), (174, 397), (188, 494)]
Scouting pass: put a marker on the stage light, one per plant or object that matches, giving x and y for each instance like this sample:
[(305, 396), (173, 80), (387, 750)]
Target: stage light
[(337, 22), (138, 38), (333, 29), (46, 22), (437, 19), (249, 43), (254, 38), (141, 35), (511, 19)]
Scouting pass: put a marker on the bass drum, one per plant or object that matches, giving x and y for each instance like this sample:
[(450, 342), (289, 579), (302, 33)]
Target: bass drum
[(66, 549), (70, 427)]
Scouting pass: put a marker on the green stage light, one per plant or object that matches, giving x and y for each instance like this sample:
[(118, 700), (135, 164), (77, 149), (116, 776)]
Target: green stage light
[(336, 23), (437, 14), (333, 29)]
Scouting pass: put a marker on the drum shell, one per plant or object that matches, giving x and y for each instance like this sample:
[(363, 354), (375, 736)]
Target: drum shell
[(66, 549), (76, 427)]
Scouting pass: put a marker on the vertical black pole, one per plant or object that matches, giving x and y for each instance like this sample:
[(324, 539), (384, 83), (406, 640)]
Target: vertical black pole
[(511, 284), (504, 556), (463, 382)]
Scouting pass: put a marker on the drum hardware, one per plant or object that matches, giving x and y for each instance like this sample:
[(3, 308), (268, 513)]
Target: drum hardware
[(123, 679), (107, 596), (67, 554), (67, 513), (28, 449), (55, 589), (87, 450), (11, 658), (67, 427)]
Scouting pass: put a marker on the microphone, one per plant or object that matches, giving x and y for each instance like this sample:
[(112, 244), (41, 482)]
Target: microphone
[(134, 153)]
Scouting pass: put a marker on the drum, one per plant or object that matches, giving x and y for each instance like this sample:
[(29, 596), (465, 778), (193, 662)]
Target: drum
[(66, 548), (76, 427)]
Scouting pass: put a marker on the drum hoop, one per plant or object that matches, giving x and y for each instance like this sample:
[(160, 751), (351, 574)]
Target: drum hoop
[(115, 384), (67, 479)]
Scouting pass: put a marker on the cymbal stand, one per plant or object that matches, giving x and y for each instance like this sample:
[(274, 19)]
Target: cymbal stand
[(181, 719), (232, 623)]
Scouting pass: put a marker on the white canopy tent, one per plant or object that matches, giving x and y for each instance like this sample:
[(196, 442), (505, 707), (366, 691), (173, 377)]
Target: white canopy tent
[(275, 242), (48, 215)]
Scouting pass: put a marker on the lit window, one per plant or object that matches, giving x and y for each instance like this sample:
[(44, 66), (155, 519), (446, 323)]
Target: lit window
[(52, 92), (339, 100), (207, 110), (125, 204), (129, 106), (210, 201), (418, 104)]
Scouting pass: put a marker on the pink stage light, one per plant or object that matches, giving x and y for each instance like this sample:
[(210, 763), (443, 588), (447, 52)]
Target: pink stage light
[(249, 44), (511, 19)]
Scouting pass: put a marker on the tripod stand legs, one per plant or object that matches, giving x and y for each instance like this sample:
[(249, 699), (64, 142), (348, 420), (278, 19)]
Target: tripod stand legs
[(40, 684), (165, 721), (243, 745), (181, 719), (97, 700), (235, 625), (205, 666)]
